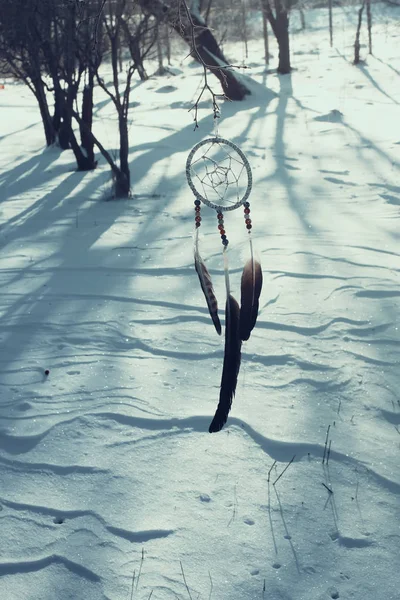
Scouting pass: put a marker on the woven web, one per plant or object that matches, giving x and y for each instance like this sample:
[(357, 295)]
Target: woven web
[(219, 173)]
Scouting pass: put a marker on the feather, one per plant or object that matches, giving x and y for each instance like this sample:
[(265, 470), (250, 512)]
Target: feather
[(208, 290), (250, 293), (231, 366)]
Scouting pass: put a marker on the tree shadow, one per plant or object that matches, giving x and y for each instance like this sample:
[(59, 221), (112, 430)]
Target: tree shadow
[(22, 178), (363, 68)]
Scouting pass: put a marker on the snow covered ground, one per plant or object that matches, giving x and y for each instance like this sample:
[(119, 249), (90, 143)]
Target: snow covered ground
[(107, 471)]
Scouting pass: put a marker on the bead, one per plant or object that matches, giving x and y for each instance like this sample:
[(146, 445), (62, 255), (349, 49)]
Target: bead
[(222, 231), (246, 211), (223, 236), (225, 242), (220, 216), (246, 204), (197, 209), (248, 221), (198, 223), (220, 221), (198, 218), (249, 226), (220, 227), (197, 202)]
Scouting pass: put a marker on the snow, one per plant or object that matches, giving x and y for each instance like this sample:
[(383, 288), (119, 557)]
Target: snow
[(108, 455)]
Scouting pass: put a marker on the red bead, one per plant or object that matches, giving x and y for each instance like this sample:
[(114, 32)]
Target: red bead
[(197, 208), (220, 227), (249, 226), (248, 221), (246, 211), (222, 231), (198, 219), (220, 216)]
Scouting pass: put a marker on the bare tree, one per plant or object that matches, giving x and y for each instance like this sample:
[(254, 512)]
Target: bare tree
[(45, 49), (114, 21), (191, 27), (141, 33), (21, 32), (278, 16)]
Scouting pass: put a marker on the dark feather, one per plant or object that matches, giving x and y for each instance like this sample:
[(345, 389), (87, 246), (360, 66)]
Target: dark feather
[(250, 294), (208, 290), (231, 366)]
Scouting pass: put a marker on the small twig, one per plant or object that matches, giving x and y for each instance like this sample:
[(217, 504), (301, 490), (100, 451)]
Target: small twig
[(326, 443), (264, 589), (194, 51), (185, 582), (211, 588), (133, 583), (285, 469), (140, 569), (234, 506), (340, 404), (329, 452), (329, 489), (269, 472), (151, 593)]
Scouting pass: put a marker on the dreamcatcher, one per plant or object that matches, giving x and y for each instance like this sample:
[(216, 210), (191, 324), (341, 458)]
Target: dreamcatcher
[(220, 177)]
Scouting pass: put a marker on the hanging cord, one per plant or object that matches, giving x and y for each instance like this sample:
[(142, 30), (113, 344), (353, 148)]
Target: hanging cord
[(226, 271), (251, 246), (217, 116), (225, 242)]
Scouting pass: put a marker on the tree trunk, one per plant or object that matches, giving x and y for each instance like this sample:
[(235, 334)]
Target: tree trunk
[(302, 18), (58, 105), (206, 45), (84, 163), (265, 35), (135, 51), (161, 69), (87, 117), (67, 135), (244, 27), (212, 56), (357, 40), (47, 121), (123, 183), (282, 29), (64, 133), (280, 26), (369, 25), (115, 170), (167, 44)]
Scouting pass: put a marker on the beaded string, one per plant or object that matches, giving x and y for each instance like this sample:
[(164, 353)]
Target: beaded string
[(249, 226), (197, 209), (221, 228), (225, 242), (247, 216)]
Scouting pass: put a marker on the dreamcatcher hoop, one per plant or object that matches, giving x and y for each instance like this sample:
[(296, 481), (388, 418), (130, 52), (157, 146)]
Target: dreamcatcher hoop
[(220, 174)]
